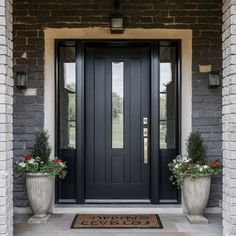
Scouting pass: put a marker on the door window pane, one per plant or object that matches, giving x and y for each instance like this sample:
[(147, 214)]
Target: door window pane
[(165, 76), (170, 134), (167, 97), (117, 104), (67, 93), (163, 106), (72, 134), (163, 132)]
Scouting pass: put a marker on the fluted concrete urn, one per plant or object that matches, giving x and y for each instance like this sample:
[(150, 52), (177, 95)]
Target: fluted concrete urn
[(39, 190), (196, 194)]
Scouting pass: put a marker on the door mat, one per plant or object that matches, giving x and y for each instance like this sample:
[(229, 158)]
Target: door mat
[(85, 221)]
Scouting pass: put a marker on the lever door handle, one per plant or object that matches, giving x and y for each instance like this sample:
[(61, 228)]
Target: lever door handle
[(145, 148)]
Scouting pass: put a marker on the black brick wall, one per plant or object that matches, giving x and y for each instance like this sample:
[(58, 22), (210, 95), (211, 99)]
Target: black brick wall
[(32, 16)]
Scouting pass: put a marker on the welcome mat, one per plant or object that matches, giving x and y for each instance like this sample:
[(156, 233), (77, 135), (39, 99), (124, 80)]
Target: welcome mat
[(85, 221)]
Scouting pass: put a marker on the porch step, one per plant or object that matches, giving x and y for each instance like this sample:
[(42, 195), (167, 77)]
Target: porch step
[(117, 209)]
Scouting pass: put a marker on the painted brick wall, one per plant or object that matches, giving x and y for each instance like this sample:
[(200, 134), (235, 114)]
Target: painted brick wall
[(6, 102), (32, 16), (229, 118)]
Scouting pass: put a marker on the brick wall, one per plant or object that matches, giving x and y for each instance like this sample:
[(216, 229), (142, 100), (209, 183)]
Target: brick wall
[(229, 118), (31, 17), (6, 102)]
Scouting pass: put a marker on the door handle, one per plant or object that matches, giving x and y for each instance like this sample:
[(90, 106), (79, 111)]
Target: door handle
[(145, 148)]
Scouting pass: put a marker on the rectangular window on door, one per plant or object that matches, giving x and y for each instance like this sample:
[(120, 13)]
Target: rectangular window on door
[(117, 104)]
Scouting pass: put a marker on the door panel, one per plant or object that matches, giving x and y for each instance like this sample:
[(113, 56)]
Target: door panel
[(117, 99)]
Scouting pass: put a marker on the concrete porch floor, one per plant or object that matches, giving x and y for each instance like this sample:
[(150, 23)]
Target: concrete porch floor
[(173, 225)]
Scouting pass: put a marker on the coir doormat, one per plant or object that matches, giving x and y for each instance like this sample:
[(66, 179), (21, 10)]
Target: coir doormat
[(85, 221)]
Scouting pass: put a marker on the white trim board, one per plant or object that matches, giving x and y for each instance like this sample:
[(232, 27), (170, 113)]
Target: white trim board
[(104, 33)]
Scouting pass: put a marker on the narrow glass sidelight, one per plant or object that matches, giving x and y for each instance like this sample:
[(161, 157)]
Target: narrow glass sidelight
[(167, 97), (67, 91), (117, 104)]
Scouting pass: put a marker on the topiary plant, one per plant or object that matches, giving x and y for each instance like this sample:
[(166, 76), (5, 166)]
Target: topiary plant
[(41, 148), (195, 148)]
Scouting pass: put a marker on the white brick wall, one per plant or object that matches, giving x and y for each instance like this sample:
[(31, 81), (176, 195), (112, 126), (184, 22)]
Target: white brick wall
[(229, 117), (6, 101)]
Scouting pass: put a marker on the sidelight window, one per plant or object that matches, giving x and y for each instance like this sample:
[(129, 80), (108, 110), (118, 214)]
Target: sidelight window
[(167, 97), (67, 93)]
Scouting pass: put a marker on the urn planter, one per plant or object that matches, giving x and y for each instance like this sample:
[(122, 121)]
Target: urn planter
[(196, 194), (40, 172), (39, 191)]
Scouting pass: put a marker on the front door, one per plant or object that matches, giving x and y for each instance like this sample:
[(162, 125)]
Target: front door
[(117, 122), (107, 93)]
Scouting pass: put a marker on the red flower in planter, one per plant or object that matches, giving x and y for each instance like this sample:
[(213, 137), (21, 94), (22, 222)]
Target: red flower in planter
[(57, 161), (214, 164), (198, 162), (189, 167), (27, 157)]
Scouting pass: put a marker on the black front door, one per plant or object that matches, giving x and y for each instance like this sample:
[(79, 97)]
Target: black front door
[(107, 93), (117, 120)]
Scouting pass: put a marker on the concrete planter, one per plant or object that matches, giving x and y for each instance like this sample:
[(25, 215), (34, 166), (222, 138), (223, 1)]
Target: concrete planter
[(196, 194), (39, 191)]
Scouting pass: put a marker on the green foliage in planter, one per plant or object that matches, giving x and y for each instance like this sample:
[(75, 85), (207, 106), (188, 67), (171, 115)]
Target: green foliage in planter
[(193, 165), (39, 160), (41, 148), (195, 148)]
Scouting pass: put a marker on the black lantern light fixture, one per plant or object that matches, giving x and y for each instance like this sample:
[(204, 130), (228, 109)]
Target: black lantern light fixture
[(117, 20), (21, 80), (214, 80)]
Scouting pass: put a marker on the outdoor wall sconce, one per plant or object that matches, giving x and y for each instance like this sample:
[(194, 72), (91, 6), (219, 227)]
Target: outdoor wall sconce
[(214, 80), (21, 80), (117, 20)]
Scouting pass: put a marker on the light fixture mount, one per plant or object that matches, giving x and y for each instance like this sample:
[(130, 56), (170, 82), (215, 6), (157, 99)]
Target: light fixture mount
[(117, 20), (116, 5), (21, 80), (214, 79)]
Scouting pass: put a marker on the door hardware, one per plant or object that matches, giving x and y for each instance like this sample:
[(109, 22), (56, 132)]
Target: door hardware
[(145, 143), (145, 132), (145, 120)]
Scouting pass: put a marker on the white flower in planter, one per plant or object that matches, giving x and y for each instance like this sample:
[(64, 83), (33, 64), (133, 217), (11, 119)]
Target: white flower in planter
[(61, 164), (185, 159), (22, 164), (31, 161), (205, 166)]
